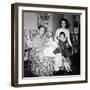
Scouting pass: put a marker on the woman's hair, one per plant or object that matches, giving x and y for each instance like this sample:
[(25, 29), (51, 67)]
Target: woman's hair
[(63, 19), (41, 26)]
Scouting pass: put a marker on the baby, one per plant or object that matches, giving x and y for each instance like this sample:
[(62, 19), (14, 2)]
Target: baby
[(50, 46)]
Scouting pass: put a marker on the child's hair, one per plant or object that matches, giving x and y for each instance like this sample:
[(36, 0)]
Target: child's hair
[(47, 34), (62, 33)]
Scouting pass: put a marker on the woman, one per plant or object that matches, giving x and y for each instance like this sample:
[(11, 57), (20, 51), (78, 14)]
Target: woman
[(39, 39), (64, 27), (40, 66)]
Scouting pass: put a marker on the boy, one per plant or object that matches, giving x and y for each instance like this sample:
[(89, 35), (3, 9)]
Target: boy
[(65, 49)]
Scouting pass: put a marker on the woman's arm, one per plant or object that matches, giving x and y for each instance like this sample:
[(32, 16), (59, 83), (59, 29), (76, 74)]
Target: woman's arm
[(68, 38), (56, 35)]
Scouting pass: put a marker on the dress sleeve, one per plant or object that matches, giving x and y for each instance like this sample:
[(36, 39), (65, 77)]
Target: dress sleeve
[(68, 38)]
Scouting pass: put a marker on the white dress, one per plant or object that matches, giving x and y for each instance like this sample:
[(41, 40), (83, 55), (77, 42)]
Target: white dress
[(48, 51), (50, 46)]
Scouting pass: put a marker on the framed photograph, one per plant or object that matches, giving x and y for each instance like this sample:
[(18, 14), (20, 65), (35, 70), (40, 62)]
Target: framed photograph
[(48, 44)]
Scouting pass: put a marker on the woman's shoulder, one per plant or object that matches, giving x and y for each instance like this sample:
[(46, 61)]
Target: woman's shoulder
[(67, 30)]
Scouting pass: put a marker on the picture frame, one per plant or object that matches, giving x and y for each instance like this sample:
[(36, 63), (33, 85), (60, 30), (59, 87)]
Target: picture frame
[(25, 19)]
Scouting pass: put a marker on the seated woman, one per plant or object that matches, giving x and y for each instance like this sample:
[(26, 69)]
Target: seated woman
[(40, 65)]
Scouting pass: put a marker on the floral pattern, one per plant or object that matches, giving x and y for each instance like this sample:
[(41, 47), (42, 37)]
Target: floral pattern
[(41, 67)]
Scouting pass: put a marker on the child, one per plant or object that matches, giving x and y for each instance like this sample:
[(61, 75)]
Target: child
[(65, 49), (49, 46)]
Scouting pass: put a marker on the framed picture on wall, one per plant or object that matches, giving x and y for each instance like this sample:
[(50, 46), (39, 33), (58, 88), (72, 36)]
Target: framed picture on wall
[(48, 44)]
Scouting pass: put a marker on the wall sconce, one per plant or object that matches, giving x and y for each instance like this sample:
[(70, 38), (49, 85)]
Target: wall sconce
[(44, 16)]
